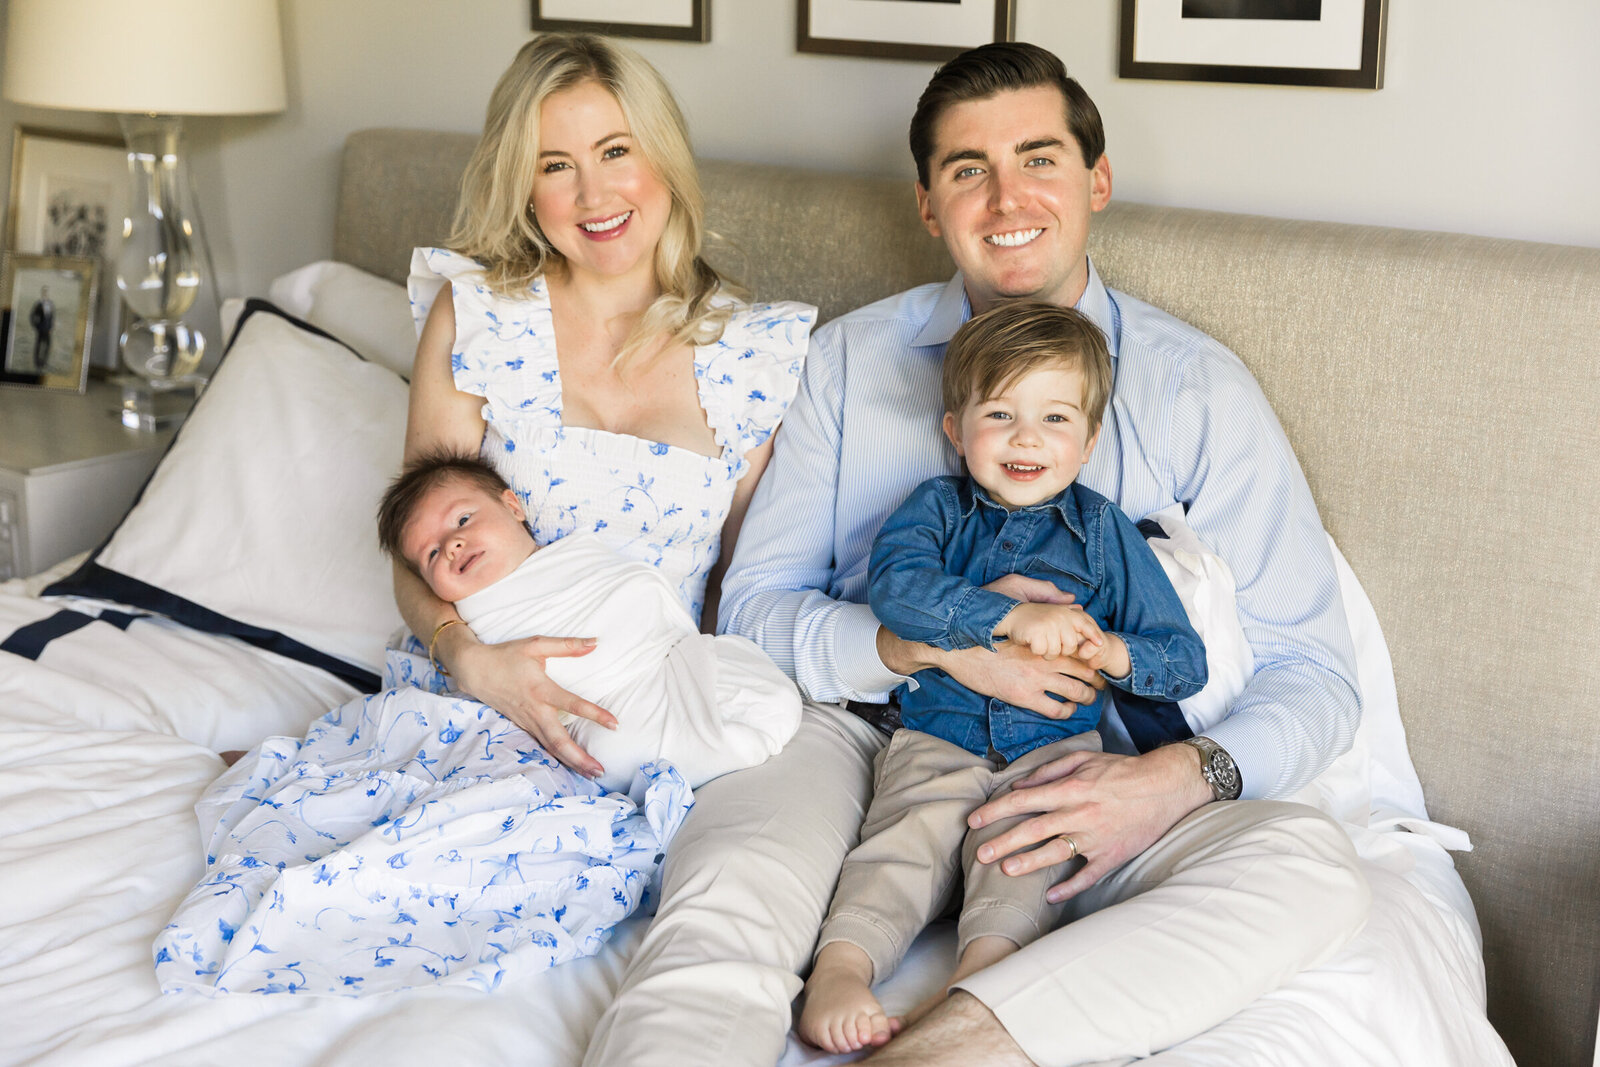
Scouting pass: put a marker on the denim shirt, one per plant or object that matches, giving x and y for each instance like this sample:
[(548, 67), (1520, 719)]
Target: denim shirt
[(949, 538)]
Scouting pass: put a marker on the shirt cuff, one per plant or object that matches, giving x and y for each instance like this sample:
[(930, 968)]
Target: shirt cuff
[(855, 650), (1260, 763)]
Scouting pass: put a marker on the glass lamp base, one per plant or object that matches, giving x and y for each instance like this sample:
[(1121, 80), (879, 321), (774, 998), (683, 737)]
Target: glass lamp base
[(152, 406), (164, 350)]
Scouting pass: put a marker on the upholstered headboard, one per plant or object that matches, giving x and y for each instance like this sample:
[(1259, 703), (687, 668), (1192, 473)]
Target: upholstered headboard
[(1443, 395)]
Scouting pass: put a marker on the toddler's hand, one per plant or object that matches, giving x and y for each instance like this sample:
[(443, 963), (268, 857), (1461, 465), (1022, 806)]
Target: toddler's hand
[(1052, 630)]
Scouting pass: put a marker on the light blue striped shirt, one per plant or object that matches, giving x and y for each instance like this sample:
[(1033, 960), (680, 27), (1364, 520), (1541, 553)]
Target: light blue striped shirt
[(1186, 422)]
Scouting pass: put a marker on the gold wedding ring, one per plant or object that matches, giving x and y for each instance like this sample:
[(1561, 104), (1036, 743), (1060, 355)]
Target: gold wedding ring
[(1073, 845)]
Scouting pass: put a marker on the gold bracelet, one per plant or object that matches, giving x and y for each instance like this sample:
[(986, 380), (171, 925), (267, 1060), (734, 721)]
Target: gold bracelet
[(434, 640)]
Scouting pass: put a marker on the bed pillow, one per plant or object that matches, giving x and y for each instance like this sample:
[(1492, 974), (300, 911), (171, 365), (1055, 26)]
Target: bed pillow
[(1374, 783), (259, 521), (370, 314)]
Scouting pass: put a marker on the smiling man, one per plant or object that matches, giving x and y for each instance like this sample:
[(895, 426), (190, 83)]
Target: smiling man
[(1183, 910)]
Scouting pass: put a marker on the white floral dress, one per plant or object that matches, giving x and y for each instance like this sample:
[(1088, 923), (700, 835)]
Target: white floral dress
[(653, 502)]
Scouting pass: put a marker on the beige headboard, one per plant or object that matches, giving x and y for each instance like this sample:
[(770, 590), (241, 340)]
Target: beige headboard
[(1443, 395)]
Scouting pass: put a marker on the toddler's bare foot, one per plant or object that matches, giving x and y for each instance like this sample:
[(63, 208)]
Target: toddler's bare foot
[(841, 1014), (981, 952)]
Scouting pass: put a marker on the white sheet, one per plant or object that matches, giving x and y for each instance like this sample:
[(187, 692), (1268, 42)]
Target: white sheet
[(104, 749)]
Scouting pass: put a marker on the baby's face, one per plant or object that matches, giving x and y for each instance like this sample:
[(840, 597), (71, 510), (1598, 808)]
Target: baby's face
[(462, 538)]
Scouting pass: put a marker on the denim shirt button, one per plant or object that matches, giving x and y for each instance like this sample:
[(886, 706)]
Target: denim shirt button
[(1149, 679), (1175, 689), (1007, 546)]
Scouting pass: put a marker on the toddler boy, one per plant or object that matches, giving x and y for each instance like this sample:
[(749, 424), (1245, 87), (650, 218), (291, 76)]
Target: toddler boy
[(1025, 385), (709, 705)]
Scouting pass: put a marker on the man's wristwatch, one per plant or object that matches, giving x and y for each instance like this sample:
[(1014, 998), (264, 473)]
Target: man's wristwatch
[(1218, 768)]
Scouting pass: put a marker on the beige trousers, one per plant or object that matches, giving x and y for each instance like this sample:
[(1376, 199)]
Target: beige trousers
[(1229, 904), (1231, 901), (746, 884), (905, 870)]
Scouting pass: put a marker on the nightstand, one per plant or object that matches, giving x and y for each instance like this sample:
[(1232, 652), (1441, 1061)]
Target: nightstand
[(68, 471)]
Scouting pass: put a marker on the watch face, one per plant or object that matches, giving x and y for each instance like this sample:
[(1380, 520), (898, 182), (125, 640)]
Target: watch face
[(1226, 780)]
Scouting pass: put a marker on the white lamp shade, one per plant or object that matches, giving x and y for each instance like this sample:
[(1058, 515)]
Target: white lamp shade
[(175, 57)]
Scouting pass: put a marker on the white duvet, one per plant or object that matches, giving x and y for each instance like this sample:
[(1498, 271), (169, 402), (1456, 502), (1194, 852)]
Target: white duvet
[(107, 741)]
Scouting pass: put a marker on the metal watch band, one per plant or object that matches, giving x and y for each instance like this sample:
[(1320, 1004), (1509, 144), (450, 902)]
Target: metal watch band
[(1218, 768)]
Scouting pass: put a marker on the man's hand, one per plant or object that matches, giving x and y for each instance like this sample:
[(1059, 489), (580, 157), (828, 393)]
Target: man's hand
[(1012, 673), (1113, 807)]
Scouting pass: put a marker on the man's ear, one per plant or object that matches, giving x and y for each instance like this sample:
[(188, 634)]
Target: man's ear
[(952, 430), (509, 498), (1100, 183), (925, 211)]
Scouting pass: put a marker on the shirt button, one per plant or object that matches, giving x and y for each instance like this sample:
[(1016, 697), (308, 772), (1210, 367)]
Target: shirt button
[(1175, 690), (1149, 679), (1007, 546)]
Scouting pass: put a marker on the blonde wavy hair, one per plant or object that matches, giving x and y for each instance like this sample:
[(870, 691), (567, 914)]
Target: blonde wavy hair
[(493, 223)]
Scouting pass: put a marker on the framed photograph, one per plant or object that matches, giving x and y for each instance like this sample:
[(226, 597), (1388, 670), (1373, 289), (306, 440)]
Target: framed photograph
[(933, 30), (678, 20), (69, 193), (1282, 42), (46, 320)]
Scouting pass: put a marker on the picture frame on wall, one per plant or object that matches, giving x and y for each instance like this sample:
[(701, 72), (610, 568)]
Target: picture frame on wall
[(1337, 43), (46, 320), (69, 195), (932, 30), (675, 20)]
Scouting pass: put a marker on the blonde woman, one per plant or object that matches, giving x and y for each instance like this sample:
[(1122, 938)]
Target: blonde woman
[(574, 338), (573, 334)]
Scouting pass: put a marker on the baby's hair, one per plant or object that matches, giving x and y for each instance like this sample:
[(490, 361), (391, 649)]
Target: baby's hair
[(419, 478), (996, 348)]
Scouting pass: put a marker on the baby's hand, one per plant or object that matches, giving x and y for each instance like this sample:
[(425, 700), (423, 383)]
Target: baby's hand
[(1053, 630)]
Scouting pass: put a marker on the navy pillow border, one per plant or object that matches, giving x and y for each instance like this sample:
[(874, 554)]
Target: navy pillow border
[(102, 583)]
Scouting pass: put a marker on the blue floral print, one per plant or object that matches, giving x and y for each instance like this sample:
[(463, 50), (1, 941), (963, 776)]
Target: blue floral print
[(413, 837)]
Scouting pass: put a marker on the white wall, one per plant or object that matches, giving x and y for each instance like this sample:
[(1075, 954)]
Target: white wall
[(1489, 121)]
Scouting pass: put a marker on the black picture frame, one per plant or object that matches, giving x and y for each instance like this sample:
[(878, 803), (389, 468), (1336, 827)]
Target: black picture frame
[(1374, 16), (1004, 23), (699, 30)]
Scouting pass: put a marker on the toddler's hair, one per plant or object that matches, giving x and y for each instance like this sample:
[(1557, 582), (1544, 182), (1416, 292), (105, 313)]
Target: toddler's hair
[(417, 480), (996, 348)]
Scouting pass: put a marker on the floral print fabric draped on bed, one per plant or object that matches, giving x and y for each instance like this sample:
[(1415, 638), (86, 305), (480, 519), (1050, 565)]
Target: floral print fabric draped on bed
[(411, 839)]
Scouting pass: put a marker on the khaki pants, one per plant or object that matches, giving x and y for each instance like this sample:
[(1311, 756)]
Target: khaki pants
[(1229, 903), (904, 872)]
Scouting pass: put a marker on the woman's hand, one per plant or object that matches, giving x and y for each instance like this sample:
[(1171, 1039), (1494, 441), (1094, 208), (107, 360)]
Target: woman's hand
[(511, 679)]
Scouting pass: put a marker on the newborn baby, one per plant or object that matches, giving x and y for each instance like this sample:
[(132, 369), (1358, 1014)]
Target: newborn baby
[(708, 705)]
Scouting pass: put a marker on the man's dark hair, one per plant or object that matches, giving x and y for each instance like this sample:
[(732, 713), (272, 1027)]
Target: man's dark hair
[(989, 69), (417, 480)]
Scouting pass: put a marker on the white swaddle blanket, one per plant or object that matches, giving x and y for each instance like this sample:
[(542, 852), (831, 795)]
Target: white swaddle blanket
[(707, 705)]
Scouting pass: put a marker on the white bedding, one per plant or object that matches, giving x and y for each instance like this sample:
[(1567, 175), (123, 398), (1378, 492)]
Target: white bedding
[(101, 763)]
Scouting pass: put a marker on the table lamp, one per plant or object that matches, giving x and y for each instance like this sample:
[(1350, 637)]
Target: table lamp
[(151, 62)]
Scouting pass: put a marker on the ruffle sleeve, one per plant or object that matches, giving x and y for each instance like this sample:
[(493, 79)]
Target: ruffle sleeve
[(504, 349), (748, 378)]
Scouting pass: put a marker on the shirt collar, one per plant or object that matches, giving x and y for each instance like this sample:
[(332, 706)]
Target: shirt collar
[(1065, 503), (953, 308), (949, 312)]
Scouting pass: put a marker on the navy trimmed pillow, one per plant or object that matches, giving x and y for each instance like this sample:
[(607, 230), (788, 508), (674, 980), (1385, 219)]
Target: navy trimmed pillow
[(259, 521)]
